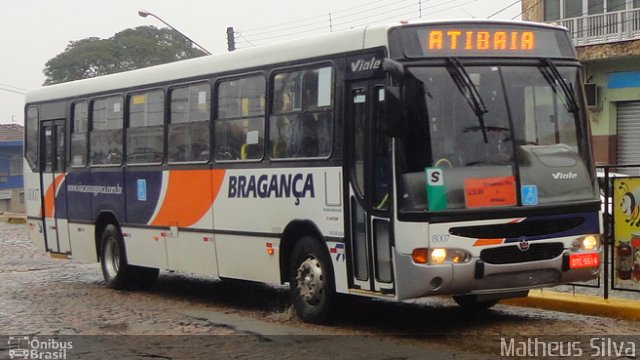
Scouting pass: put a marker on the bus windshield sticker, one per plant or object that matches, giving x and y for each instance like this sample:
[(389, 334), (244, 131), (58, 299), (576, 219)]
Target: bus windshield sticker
[(529, 195), (493, 191), (436, 190)]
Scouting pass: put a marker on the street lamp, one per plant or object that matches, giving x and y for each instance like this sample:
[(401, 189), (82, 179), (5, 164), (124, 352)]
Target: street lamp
[(146, 13)]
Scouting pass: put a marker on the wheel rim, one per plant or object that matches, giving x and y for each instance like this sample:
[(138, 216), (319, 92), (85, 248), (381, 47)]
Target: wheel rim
[(310, 281), (112, 257)]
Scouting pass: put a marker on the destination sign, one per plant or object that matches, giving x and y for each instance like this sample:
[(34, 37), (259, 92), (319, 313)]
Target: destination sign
[(454, 39), (481, 40)]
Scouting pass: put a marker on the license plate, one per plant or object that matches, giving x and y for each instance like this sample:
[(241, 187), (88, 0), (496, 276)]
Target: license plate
[(577, 261)]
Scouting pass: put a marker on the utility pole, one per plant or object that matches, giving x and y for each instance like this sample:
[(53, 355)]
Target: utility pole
[(231, 39)]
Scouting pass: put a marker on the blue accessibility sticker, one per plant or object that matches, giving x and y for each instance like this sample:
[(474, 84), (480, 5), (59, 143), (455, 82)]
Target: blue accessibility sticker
[(529, 195), (142, 190)]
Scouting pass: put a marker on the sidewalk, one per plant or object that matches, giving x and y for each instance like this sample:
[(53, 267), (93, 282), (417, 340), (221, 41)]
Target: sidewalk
[(616, 307)]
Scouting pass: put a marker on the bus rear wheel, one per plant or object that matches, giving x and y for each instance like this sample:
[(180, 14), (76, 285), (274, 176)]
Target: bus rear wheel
[(117, 273), (311, 281)]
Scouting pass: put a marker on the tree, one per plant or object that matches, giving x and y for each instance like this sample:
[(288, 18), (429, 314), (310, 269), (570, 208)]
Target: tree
[(127, 50)]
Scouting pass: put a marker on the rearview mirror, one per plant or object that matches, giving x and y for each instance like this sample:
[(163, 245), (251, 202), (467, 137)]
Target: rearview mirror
[(393, 115)]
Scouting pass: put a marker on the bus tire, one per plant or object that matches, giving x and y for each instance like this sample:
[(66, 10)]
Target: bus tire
[(471, 303), (117, 273), (311, 280)]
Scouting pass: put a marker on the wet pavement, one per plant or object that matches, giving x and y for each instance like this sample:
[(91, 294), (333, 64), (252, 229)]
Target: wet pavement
[(45, 297)]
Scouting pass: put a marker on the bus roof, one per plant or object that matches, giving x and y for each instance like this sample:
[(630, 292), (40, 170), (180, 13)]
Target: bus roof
[(251, 58), (317, 46)]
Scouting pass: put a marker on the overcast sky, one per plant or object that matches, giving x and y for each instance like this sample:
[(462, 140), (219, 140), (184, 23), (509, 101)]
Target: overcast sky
[(34, 31)]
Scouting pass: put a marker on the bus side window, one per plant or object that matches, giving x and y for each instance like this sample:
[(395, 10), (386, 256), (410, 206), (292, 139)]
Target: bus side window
[(79, 134), (145, 135), (189, 115), (31, 138), (302, 119), (239, 127), (106, 132)]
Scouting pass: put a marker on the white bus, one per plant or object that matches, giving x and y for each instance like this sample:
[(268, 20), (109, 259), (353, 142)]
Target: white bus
[(397, 162)]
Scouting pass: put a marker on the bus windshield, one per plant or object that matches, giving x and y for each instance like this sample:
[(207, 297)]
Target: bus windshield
[(497, 135)]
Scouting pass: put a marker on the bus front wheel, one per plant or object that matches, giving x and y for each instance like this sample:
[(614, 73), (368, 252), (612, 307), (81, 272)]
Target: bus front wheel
[(471, 302), (311, 280), (117, 273)]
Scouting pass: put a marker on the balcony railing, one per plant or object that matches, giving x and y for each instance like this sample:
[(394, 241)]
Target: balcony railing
[(604, 28)]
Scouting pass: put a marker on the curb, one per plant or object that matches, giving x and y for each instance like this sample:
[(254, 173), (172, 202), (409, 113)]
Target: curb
[(13, 218), (579, 304)]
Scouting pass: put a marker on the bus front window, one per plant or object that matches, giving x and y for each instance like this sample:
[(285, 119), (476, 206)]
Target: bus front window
[(481, 134)]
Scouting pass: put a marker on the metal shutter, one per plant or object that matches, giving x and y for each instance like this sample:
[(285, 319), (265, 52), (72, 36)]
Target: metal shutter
[(628, 120)]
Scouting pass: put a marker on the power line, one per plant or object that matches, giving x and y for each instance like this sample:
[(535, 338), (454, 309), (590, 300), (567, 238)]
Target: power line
[(355, 16), (358, 6), (452, 7), (374, 9), (527, 9), (275, 30), (386, 14), (14, 87), (13, 91), (242, 36), (283, 27), (248, 31), (503, 9)]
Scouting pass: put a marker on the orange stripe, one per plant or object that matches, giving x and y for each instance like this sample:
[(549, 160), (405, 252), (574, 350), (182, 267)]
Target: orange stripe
[(50, 196), (190, 194), (486, 242)]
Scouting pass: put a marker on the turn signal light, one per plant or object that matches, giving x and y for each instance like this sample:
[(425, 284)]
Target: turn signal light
[(420, 256)]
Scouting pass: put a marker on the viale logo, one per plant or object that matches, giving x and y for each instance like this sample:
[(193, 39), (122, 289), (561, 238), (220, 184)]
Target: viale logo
[(364, 65), (564, 176)]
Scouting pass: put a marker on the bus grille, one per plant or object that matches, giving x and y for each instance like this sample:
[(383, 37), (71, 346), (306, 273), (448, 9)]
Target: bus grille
[(512, 254), (516, 230)]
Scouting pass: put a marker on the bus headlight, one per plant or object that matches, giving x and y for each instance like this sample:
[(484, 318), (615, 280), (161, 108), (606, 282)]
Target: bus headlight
[(591, 242), (440, 256), (459, 256), (587, 243)]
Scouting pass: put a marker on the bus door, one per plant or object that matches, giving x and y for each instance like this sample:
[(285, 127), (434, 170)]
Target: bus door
[(370, 184), (52, 178)]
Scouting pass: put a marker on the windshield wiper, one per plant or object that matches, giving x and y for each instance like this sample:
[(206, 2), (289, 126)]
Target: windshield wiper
[(555, 79), (464, 83)]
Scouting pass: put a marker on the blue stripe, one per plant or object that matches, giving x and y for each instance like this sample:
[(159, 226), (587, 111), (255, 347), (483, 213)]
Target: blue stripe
[(590, 225)]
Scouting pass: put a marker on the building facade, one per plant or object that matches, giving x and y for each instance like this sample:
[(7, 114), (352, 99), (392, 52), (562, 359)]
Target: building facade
[(11, 183), (606, 34)]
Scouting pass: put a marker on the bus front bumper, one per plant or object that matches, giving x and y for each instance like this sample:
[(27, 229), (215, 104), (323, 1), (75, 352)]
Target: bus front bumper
[(479, 278)]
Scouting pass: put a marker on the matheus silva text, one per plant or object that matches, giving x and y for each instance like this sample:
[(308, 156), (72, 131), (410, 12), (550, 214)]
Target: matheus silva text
[(595, 347)]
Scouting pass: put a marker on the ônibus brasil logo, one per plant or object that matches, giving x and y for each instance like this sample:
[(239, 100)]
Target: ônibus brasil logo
[(25, 347)]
